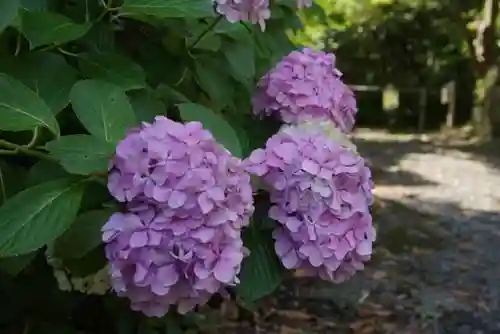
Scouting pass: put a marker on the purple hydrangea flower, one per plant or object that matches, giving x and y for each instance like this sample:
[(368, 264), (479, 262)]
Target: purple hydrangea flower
[(187, 200), (156, 262), (180, 167), (320, 193), (306, 85), (255, 11)]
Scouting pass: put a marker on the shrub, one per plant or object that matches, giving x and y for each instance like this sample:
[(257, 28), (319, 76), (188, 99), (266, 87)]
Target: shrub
[(135, 175)]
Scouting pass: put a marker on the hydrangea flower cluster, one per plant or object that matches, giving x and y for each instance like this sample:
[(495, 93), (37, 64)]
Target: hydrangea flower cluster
[(305, 85), (187, 200), (320, 192), (255, 11)]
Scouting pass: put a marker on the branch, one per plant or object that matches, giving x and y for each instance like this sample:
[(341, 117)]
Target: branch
[(206, 31), (15, 149)]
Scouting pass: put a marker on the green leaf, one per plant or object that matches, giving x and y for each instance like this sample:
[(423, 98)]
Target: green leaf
[(89, 264), (113, 68), (43, 171), (292, 4), (234, 31), (169, 8), (44, 28), (8, 12), (173, 324), (100, 38), (46, 74), (35, 5), (97, 196), (81, 154), (170, 94), (16, 264), (10, 175), (103, 108), (240, 127), (146, 106), (241, 59), (214, 82), (210, 41), (261, 271), (21, 109), (83, 236), (219, 127), (38, 215)]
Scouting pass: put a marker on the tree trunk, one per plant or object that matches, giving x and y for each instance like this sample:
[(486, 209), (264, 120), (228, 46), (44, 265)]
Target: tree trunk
[(486, 70)]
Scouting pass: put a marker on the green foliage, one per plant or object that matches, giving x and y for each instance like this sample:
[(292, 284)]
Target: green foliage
[(45, 28), (21, 109), (81, 154), (75, 76), (48, 75), (83, 236), (38, 215), (220, 129), (261, 273), (8, 12), (103, 108), (411, 44), (113, 68), (169, 8)]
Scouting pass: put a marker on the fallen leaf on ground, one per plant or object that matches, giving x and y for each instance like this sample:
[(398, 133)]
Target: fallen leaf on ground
[(461, 294), (374, 310), (289, 330), (294, 314), (466, 245), (363, 326)]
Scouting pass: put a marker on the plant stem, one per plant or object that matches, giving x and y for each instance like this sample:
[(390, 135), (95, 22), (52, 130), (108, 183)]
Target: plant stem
[(67, 53), (256, 40), (107, 8), (34, 138), (15, 148), (183, 76), (18, 44), (87, 14), (206, 31)]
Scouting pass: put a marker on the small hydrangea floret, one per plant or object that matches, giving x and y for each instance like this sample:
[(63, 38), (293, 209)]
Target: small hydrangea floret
[(305, 85), (187, 199), (320, 192)]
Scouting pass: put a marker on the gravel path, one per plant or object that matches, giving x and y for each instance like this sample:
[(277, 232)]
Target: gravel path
[(449, 212)]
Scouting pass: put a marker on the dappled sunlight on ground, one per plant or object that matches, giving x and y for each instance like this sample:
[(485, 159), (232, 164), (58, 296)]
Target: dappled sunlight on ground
[(471, 185)]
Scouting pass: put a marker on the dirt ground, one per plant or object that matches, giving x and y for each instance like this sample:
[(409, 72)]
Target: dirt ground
[(436, 267)]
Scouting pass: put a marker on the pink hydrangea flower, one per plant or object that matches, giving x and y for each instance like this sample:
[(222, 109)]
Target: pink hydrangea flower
[(179, 241), (255, 11), (181, 167), (321, 192), (157, 263), (305, 85)]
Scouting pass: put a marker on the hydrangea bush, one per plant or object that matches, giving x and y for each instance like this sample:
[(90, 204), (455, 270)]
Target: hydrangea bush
[(157, 155)]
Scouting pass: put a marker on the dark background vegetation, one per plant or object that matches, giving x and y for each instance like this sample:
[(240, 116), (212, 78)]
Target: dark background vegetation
[(412, 45)]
